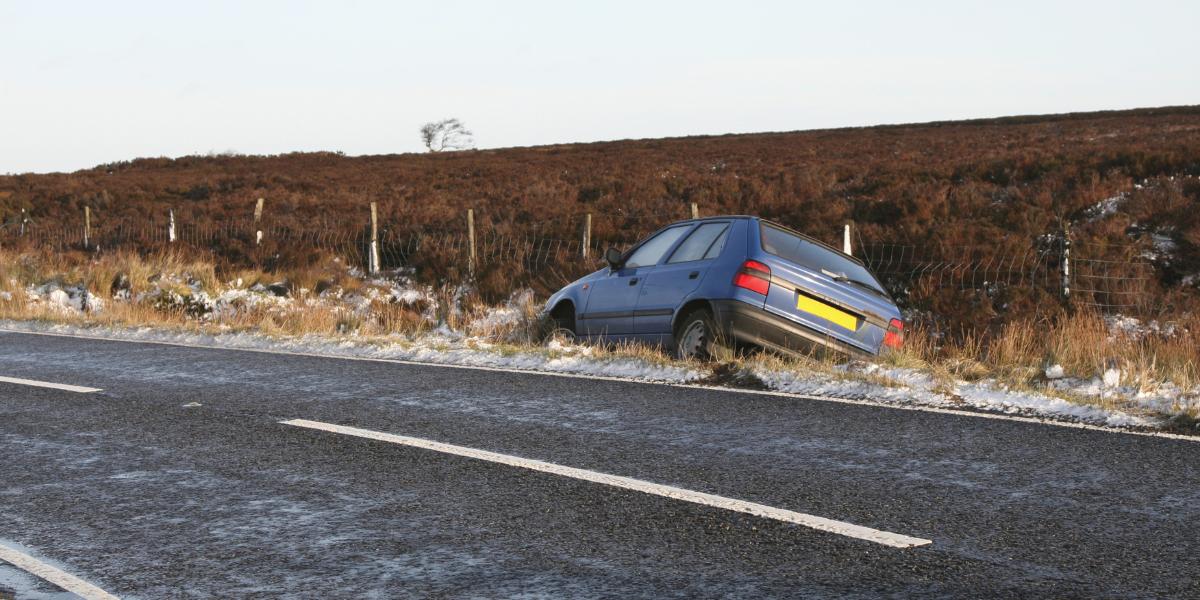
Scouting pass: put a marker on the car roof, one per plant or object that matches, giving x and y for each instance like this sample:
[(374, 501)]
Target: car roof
[(715, 218)]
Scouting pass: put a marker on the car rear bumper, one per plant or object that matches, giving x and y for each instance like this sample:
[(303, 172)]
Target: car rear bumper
[(752, 325)]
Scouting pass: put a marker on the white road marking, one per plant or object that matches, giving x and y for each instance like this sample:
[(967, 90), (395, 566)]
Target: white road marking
[(60, 578), (1046, 420), (47, 384), (761, 510)]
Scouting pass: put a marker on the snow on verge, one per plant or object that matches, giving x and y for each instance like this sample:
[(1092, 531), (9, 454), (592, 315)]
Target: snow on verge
[(443, 346), (911, 387), (858, 380)]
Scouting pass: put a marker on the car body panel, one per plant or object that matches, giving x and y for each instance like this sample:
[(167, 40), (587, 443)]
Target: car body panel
[(811, 297), (811, 300), (610, 305), (804, 308), (661, 295), (671, 285)]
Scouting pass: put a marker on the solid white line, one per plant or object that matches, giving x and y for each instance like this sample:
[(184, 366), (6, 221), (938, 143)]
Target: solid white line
[(60, 578), (761, 510), (1047, 420), (47, 384)]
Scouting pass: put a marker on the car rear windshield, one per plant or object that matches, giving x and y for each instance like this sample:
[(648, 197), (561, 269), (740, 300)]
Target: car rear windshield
[(794, 248)]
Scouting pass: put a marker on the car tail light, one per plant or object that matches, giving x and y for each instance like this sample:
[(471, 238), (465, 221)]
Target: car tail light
[(893, 338), (753, 276)]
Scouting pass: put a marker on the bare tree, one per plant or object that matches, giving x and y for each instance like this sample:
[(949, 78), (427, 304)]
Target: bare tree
[(447, 134)]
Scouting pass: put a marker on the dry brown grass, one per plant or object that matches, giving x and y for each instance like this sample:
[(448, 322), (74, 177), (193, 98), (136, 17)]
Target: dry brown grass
[(1018, 355), (136, 291)]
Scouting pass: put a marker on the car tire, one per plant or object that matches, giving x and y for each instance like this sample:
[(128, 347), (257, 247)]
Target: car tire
[(698, 337), (563, 329)]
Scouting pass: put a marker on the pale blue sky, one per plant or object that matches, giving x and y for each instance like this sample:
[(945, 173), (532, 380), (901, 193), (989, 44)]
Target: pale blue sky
[(83, 83)]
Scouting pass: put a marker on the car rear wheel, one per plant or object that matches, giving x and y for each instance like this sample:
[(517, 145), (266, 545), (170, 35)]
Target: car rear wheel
[(699, 338)]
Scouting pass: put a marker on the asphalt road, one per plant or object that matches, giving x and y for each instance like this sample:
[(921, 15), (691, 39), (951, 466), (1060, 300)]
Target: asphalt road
[(134, 491)]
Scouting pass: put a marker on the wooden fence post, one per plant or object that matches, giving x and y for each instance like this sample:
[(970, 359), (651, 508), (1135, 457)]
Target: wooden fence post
[(23, 219), (171, 227), (373, 264), (471, 241), (1066, 262), (87, 227), (587, 234), (695, 211), (258, 207)]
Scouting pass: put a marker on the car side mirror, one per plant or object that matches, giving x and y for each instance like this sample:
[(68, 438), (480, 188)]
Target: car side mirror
[(613, 256)]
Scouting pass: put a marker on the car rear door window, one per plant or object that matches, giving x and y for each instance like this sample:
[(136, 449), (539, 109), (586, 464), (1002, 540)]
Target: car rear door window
[(702, 244), (649, 253), (717, 246)]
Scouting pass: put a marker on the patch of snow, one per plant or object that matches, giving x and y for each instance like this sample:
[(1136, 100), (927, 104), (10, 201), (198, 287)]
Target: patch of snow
[(1129, 327), (1054, 372), (63, 300), (1164, 245), (1163, 242), (912, 387), (1112, 377), (497, 318), (1105, 207)]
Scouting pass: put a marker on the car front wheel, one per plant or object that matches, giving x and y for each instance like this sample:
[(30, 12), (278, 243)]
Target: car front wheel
[(699, 337), (563, 329)]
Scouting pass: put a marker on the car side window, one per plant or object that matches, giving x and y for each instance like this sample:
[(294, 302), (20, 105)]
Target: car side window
[(699, 245), (717, 246), (653, 249)]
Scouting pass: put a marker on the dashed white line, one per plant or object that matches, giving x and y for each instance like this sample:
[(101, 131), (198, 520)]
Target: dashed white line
[(47, 384), (761, 510), (58, 577)]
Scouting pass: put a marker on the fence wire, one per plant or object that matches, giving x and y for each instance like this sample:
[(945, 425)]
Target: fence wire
[(1106, 277)]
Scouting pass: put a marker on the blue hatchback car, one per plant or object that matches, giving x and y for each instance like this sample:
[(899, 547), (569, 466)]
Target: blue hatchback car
[(706, 286)]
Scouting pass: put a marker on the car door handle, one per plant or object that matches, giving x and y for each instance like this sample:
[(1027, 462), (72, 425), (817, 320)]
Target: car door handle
[(633, 281), (693, 274)]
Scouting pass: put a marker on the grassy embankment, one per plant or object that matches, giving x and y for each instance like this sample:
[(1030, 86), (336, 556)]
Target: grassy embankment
[(173, 293)]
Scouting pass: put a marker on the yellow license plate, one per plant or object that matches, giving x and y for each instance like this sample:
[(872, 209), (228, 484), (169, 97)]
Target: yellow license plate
[(827, 312)]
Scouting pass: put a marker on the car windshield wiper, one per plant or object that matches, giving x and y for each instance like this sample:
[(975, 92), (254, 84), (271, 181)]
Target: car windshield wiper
[(861, 284)]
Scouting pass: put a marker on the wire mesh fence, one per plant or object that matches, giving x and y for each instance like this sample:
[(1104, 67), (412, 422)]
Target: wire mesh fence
[(1109, 278), (962, 267)]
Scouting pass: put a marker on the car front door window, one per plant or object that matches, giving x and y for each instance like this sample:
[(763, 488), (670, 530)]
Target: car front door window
[(649, 253)]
